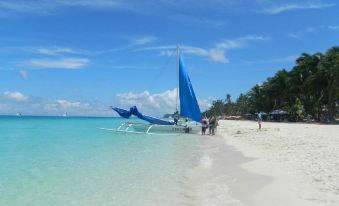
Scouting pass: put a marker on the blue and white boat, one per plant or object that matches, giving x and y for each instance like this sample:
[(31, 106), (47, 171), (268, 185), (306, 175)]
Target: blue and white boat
[(187, 108)]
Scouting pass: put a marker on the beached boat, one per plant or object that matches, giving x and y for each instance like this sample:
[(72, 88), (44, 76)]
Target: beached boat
[(186, 120)]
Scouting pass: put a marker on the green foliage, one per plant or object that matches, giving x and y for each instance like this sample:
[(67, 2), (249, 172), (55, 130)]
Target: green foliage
[(311, 88)]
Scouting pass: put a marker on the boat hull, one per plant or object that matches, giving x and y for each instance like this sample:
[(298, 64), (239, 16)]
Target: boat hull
[(191, 127)]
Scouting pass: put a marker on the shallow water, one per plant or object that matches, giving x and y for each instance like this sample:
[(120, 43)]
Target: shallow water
[(68, 161), (59, 161)]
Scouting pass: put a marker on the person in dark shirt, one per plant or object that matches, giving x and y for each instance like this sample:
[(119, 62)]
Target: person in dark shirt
[(212, 122)]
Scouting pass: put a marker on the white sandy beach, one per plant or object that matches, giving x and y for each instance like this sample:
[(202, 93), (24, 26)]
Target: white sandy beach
[(301, 159)]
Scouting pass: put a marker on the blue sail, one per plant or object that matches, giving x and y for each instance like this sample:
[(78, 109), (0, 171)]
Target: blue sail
[(188, 102), (134, 110)]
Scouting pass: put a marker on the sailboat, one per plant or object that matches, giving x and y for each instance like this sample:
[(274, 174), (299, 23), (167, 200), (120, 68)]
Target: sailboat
[(187, 117)]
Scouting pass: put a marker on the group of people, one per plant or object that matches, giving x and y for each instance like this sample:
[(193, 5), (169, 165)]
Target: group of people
[(210, 123)]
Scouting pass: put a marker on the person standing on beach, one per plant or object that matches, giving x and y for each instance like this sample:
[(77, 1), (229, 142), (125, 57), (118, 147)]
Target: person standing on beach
[(212, 122), (176, 117), (203, 126), (259, 120), (216, 124), (209, 125), (187, 128), (214, 128)]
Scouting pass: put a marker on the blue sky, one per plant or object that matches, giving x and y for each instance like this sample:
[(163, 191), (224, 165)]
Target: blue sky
[(81, 56)]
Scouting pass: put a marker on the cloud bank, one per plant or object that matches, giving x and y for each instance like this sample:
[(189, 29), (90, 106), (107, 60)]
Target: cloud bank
[(156, 104), (15, 96)]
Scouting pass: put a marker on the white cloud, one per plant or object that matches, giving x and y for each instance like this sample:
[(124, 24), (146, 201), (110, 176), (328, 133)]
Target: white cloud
[(95, 4), (42, 6), (2, 107), (199, 20), (333, 27), (147, 6), (296, 6), (174, 10), (73, 108), (314, 29), (66, 63), (65, 105), (152, 104), (156, 104), (291, 58), (144, 40), (53, 51), (206, 103), (21, 6), (216, 53), (13, 102), (15, 96), (294, 35), (239, 42), (23, 73)]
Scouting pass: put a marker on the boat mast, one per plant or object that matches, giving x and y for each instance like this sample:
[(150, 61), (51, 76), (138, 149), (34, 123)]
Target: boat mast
[(177, 99)]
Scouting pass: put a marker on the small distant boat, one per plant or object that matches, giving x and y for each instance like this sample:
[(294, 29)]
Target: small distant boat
[(65, 115), (18, 114), (187, 118)]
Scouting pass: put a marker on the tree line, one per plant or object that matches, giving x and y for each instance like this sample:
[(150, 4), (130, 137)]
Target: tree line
[(310, 89)]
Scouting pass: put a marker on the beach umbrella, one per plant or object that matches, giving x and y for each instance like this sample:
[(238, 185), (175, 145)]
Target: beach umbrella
[(278, 112)]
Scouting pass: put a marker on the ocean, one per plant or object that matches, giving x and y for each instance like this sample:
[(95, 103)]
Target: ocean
[(59, 161)]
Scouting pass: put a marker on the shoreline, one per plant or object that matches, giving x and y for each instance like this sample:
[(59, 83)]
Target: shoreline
[(218, 178), (301, 159)]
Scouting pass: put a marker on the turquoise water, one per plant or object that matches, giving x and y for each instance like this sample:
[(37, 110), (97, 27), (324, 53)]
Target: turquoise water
[(68, 161)]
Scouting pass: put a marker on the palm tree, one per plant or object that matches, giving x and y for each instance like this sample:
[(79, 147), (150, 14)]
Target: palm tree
[(228, 99), (311, 87), (329, 68)]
